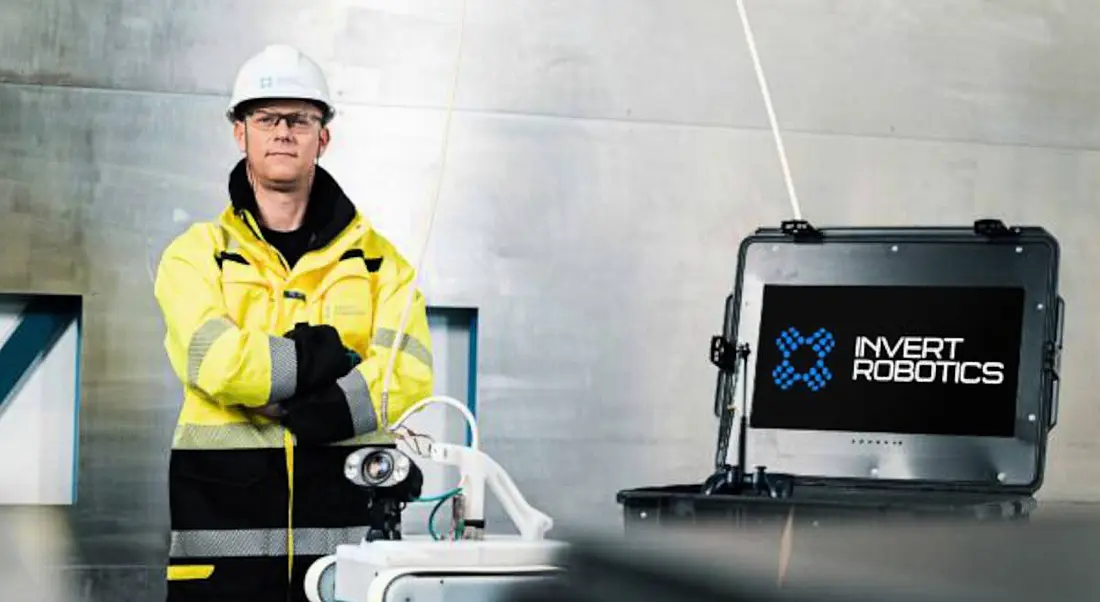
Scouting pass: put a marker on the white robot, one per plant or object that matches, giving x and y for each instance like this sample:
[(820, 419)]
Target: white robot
[(465, 563)]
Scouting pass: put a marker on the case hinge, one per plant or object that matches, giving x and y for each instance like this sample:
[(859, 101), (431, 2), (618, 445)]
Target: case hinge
[(800, 229), (994, 228)]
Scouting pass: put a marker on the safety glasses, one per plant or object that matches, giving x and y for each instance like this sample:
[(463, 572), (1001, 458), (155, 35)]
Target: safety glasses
[(298, 122)]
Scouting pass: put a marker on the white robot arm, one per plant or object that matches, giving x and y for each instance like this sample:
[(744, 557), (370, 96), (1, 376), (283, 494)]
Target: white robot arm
[(476, 469)]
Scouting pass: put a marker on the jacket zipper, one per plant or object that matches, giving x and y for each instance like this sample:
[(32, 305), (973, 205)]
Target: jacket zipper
[(288, 437), (247, 218)]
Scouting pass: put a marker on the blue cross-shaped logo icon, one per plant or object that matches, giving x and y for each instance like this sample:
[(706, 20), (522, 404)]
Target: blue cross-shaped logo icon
[(790, 340), (265, 82)]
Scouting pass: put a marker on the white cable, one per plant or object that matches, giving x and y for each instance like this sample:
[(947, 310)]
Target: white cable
[(413, 289), (795, 208), (475, 438), (785, 539)]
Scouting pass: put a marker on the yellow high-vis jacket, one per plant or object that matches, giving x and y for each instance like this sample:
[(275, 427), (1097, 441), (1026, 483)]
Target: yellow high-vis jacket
[(251, 507)]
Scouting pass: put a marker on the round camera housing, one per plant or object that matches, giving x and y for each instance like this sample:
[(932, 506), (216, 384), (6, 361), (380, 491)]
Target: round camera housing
[(377, 467)]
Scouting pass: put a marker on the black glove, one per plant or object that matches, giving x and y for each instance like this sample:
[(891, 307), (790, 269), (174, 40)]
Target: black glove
[(319, 418), (322, 357)]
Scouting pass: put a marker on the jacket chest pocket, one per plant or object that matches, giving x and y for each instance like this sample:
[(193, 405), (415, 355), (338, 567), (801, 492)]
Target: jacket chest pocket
[(247, 294), (347, 303)]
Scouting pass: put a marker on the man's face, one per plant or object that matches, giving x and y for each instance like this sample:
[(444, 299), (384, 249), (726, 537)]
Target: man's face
[(282, 139)]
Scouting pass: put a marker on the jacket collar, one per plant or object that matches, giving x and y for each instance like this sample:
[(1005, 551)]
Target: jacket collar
[(328, 213)]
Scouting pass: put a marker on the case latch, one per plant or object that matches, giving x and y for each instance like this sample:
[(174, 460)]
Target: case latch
[(1052, 359), (1052, 365), (994, 228), (800, 229), (723, 354)]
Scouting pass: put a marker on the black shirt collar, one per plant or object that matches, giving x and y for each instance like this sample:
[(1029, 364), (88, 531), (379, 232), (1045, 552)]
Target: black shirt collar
[(328, 213)]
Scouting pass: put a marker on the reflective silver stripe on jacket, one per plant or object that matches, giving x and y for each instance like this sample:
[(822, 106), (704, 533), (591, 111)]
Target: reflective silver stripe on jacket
[(284, 358), (284, 368), (238, 543), (357, 394), (242, 435), (384, 337), (246, 435), (200, 345)]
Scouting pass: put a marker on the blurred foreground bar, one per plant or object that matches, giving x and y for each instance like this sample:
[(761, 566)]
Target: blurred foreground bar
[(1055, 556), (35, 546)]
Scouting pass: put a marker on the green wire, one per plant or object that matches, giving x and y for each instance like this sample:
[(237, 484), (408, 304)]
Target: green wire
[(440, 500), (443, 496)]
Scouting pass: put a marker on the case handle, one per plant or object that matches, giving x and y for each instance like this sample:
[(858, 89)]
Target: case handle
[(800, 229), (994, 228)]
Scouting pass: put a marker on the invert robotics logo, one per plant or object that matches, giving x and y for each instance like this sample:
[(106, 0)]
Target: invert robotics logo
[(790, 340)]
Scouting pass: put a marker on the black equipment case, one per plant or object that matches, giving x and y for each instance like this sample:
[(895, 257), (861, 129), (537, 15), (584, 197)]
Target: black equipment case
[(879, 372)]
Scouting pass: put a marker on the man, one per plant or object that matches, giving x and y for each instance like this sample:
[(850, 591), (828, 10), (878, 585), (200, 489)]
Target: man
[(262, 309)]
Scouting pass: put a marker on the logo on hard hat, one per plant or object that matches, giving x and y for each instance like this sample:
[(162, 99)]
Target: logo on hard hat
[(286, 81)]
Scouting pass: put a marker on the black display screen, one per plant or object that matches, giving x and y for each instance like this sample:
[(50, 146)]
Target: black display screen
[(905, 360)]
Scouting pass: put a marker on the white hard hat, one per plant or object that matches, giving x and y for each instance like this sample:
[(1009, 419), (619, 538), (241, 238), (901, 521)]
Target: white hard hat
[(280, 71)]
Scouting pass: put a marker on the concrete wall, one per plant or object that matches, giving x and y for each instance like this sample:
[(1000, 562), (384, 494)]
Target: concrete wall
[(595, 147)]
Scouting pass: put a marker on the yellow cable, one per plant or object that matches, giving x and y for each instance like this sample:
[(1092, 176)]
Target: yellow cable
[(400, 335), (288, 444)]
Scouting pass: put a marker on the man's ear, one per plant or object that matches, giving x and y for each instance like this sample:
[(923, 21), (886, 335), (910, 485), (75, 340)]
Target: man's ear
[(322, 144), (239, 135)]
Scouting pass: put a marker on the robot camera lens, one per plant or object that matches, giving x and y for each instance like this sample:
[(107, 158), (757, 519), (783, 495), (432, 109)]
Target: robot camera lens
[(377, 466)]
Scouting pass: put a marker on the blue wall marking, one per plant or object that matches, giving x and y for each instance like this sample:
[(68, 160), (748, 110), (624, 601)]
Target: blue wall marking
[(38, 328), (463, 316)]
